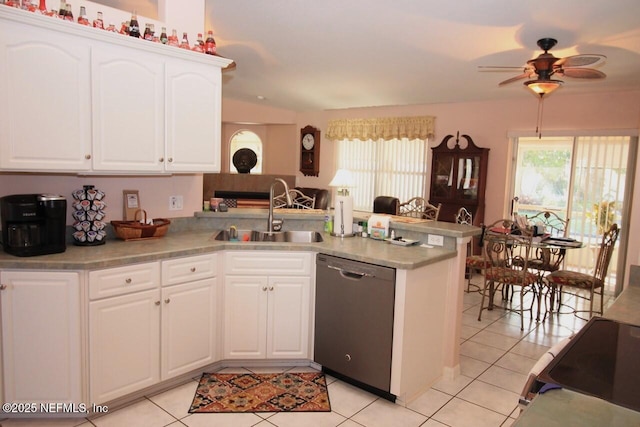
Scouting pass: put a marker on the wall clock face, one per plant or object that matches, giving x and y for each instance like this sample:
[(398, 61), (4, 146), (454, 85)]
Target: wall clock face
[(308, 141)]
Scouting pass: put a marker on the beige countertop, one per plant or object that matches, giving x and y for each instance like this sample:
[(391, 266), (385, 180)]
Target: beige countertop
[(119, 252), (195, 235)]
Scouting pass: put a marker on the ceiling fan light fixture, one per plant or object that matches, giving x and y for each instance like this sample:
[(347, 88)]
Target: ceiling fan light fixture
[(543, 87)]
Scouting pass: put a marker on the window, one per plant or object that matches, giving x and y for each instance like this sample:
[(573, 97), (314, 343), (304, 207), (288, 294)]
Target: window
[(396, 167), (246, 139), (583, 178)]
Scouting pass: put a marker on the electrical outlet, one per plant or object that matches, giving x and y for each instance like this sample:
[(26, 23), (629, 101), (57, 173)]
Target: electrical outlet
[(175, 203), (435, 240)]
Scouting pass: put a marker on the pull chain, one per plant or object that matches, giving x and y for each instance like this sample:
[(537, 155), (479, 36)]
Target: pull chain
[(539, 121)]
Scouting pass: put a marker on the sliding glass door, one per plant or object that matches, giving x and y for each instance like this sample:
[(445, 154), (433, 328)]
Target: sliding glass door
[(581, 178)]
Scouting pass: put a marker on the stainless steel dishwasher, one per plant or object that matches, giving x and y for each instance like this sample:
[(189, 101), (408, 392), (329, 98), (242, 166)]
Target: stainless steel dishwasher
[(354, 321)]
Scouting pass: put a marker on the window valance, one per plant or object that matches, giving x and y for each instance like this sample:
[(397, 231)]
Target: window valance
[(386, 128)]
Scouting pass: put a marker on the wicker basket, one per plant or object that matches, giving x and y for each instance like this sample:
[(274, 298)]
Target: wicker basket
[(135, 230)]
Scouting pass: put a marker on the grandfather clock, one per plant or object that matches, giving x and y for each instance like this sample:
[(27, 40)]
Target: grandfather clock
[(309, 151)]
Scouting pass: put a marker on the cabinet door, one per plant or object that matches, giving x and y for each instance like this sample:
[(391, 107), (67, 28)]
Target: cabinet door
[(41, 337), (188, 327), (45, 100), (245, 317), (128, 113), (193, 117), (124, 344), (288, 317)]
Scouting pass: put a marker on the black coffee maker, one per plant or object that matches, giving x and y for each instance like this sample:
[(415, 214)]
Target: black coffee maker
[(33, 224)]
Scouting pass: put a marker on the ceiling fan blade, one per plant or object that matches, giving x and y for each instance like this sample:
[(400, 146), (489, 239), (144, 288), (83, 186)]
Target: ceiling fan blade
[(580, 60), (499, 67), (581, 73), (516, 78)]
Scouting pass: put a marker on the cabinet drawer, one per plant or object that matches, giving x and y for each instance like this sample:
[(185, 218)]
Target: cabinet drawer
[(187, 269), (123, 280), (265, 263)]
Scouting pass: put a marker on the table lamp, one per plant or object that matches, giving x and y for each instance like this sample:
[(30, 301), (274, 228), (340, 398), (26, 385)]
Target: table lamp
[(343, 217)]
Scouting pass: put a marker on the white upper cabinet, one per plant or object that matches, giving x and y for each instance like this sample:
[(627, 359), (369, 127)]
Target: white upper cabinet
[(77, 99), (45, 100), (128, 110), (193, 117)]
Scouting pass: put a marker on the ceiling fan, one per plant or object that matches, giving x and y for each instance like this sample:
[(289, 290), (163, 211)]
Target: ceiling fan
[(541, 69)]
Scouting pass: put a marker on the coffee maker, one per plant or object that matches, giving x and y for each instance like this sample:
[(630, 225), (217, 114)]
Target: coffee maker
[(33, 224)]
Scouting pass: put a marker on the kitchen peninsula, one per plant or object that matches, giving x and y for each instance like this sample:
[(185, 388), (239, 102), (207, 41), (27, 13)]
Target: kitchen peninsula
[(149, 279)]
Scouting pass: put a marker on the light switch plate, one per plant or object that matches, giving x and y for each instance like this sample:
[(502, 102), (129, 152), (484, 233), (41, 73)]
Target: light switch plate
[(435, 240), (175, 203)]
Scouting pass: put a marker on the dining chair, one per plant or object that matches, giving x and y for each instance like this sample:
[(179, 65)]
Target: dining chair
[(552, 223), (473, 263), (419, 207), (507, 250), (463, 216), (548, 259), (300, 200), (386, 204), (594, 282)]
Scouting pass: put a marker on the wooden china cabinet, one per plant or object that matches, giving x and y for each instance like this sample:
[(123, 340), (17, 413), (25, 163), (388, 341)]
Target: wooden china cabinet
[(459, 178)]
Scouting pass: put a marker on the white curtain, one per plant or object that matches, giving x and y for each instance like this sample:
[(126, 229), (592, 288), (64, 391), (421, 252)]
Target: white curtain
[(395, 168)]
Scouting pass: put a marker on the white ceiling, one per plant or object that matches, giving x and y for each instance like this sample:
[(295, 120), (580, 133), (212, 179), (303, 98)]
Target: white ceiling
[(306, 55)]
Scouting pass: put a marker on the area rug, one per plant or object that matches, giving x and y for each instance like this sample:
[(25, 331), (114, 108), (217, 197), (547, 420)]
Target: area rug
[(284, 392)]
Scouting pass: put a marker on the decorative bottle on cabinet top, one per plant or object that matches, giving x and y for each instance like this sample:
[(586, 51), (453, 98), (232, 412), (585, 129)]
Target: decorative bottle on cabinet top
[(134, 27), (210, 44)]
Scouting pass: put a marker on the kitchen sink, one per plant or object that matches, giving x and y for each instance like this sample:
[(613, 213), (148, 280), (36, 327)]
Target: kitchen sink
[(299, 236)]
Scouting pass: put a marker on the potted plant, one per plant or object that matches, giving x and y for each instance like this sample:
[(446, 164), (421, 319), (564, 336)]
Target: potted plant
[(603, 215)]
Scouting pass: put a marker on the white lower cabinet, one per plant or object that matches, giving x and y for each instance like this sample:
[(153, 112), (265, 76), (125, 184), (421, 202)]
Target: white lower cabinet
[(189, 327), (267, 300), (41, 336), (142, 337), (124, 344)]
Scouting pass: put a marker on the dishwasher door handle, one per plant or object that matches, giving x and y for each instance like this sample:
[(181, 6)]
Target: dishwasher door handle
[(350, 274)]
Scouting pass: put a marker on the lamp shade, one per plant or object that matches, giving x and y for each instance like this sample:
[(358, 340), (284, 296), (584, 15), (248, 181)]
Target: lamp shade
[(543, 87), (343, 180)]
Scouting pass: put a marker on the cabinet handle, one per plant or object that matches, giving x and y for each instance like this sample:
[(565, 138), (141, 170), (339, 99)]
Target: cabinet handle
[(3, 287), (170, 159), (167, 301), (264, 288), (127, 280), (270, 288), (157, 302), (193, 269), (87, 156), (161, 159), (347, 357)]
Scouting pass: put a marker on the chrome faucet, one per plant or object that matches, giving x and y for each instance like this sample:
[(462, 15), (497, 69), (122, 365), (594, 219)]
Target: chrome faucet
[(287, 196)]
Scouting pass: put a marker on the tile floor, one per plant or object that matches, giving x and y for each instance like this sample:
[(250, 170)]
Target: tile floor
[(495, 359)]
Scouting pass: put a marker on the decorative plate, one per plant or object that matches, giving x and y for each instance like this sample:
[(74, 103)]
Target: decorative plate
[(244, 160)]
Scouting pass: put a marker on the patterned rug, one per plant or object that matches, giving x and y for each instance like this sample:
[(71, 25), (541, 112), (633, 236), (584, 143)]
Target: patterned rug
[(285, 392)]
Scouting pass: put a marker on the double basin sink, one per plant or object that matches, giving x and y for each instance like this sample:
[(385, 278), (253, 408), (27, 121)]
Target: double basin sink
[(301, 236)]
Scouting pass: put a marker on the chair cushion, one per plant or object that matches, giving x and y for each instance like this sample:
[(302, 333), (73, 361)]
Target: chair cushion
[(510, 276), (573, 278), (477, 261)]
